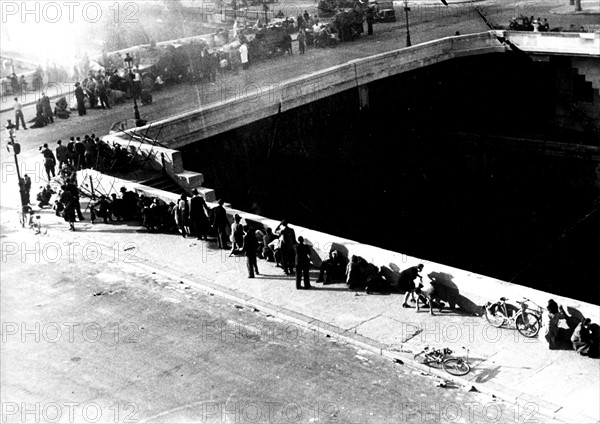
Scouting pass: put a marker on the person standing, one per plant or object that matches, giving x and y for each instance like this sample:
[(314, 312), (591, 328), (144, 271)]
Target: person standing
[(80, 151), (61, 154), (66, 199), (237, 235), (49, 161), (80, 96), (288, 240), (101, 91), (18, 108), (182, 215), (244, 56), (48, 114), (302, 263), (220, 224), (71, 186), (301, 41), (287, 43), (250, 246), (198, 218), (27, 188), (370, 20), (407, 280)]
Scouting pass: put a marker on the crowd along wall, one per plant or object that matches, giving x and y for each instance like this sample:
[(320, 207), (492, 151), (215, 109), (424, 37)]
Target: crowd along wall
[(470, 291)]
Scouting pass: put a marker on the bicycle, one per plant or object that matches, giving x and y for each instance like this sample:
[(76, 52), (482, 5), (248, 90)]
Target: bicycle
[(525, 320), (438, 358)]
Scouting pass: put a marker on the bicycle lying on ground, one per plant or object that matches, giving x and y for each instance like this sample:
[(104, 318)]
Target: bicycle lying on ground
[(440, 358), (526, 320)]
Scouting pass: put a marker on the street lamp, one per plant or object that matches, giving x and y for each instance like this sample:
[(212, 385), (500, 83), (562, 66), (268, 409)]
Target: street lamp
[(15, 149), (406, 10), (129, 66)]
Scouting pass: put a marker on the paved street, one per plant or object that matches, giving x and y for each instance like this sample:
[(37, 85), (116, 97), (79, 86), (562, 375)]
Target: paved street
[(92, 331), (95, 335)]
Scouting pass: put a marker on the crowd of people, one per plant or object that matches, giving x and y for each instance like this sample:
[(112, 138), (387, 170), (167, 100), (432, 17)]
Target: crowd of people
[(78, 153), (525, 23), (192, 217)]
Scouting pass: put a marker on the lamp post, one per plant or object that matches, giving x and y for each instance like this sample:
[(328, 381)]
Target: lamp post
[(129, 66), (406, 10), (15, 149)]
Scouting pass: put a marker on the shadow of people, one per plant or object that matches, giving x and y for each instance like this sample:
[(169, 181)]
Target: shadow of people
[(447, 290), (391, 274)]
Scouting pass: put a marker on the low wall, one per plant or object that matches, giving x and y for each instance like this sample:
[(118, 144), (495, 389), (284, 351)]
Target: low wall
[(467, 290), (556, 43), (255, 102)]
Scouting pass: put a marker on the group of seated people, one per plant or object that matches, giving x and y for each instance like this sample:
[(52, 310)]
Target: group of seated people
[(562, 327)]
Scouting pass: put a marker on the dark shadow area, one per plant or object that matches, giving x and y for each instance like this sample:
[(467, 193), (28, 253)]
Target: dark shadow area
[(447, 290)]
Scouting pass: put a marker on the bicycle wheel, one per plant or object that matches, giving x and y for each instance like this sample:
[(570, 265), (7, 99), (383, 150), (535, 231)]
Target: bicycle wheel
[(456, 366), (528, 324), (424, 359), (494, 316)]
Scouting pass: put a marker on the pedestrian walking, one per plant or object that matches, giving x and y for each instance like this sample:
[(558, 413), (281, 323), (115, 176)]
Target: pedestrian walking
[(18, 108), (302, 263)]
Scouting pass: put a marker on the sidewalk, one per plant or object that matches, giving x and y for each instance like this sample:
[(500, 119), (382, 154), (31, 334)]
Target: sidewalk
[(557, 384)]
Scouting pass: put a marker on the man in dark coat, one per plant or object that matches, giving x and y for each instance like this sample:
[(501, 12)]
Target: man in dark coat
[(198, 217), (80, 99), (66, 199), (49, 161), (48, 115), (250, 247), (288, 241), (61, 154), (406, 281), (302, 263), (27, 188), (220, 224), (71, 186), (102, 96), (80, 151)]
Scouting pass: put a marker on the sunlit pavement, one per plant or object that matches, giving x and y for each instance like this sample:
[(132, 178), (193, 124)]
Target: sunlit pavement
[(166, 377)]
